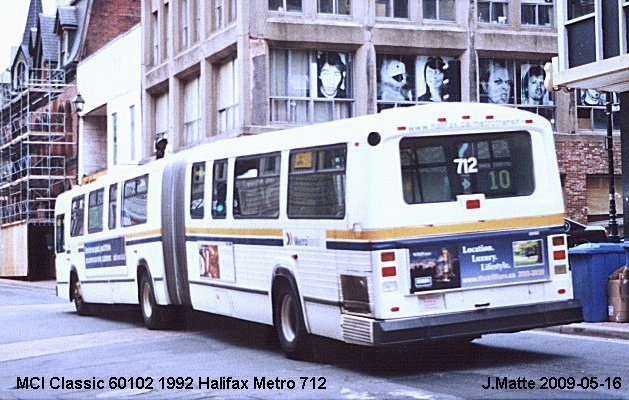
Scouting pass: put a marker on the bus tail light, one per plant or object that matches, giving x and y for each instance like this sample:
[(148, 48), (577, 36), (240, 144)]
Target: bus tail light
[(558, 241), (559, 255), (387, 256), (561, 269), (389, 271), (389, 286), (472, 204), (561, 291)]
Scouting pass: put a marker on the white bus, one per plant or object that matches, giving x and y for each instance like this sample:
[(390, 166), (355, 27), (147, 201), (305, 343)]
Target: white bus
[(436, 221)]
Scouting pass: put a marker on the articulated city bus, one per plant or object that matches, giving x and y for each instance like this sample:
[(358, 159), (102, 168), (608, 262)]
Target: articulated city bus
[(430, 222)]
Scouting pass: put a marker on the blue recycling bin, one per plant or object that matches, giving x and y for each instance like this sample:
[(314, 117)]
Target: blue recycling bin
[(591, 264)]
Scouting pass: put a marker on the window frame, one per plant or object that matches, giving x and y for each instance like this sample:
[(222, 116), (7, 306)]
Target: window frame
[(316, 170), (537, 4), (228, 112), (438, 12), (236, 209), (287, 105), (112, 215), (224, 179), (335, 8), (135, 194), (284, 6), (184, 19), (491, 12), (60, 246), (197, 181), (99, 206), (452, 172), (517, 96), (577, 18), (77, 214)]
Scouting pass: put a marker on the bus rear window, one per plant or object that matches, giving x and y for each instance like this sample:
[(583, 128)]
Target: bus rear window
[(437, 169)]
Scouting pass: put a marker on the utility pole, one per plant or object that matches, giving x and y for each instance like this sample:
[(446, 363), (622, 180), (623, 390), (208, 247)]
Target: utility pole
[(613, 224)]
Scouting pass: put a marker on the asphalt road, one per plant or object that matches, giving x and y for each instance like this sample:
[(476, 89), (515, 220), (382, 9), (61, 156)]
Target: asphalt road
[(44, 343)]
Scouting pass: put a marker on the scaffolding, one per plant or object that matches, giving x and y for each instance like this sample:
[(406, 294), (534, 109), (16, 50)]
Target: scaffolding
[(34, 148), (33, 138)]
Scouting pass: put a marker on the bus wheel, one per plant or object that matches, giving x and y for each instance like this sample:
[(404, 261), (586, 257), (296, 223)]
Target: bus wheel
[(289, 323), (152, 313), (82, 308)]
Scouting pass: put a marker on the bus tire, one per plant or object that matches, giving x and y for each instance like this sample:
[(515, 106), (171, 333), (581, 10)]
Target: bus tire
[(153, 314), (82, 307), (289, 323)]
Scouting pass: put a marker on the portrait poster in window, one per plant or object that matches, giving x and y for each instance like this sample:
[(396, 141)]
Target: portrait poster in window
[(436, 79), (496, 81), (331, 75), (590, 97), (395, 78), (533, 91)]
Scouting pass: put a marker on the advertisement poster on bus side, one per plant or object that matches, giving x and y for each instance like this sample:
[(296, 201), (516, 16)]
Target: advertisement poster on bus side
[(477, 263), (105, 253)]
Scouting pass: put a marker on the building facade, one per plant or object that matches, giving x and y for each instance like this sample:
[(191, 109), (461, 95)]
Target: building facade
[(593, 61), (222, 68), (38, 123), (109, 81)]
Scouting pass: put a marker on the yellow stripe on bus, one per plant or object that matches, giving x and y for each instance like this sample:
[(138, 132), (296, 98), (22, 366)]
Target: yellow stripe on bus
[(143, 234), (237, 231), (436, 230)]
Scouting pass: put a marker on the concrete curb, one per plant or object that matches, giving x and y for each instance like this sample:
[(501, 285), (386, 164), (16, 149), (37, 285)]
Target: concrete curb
[(608, 330)]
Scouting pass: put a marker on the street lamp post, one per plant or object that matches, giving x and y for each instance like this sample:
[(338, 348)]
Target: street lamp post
[(78, 104), (613, 224)]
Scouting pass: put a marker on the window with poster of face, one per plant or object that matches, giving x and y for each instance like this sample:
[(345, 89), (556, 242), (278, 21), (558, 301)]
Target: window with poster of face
[(405, 80), (515, 82), (310, 86), (591, 110)]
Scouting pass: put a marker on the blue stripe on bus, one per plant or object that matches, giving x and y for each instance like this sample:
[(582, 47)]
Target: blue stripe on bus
[(238, 240), (405, 243), (353, 245), (144, 240)]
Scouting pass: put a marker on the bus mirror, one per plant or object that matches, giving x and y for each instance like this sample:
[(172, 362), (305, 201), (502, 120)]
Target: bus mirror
[(160, 147)]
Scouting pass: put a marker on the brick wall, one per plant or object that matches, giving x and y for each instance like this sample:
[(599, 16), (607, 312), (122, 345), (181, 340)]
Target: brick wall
[(108, 20), (580, 156)]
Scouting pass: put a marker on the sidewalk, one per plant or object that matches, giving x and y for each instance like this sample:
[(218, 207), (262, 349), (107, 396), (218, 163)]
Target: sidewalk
[(608, 330)]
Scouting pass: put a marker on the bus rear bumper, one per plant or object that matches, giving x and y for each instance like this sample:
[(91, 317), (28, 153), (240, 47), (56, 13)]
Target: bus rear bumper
[(476, 323)]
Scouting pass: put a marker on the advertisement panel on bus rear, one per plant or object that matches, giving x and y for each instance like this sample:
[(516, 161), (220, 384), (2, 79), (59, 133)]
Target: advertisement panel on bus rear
[(480, 262)]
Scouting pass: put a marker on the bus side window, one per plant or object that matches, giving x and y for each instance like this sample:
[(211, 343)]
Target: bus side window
[(316, 183), (95, 211), (134, 202), (219, 189), (197, 191), (60, 233), (113, 206), (77, 216), (257, 186)]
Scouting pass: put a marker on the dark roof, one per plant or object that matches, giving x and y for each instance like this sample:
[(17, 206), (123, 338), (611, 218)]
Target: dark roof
[(67, 16), (34, 9), (50, 41)]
